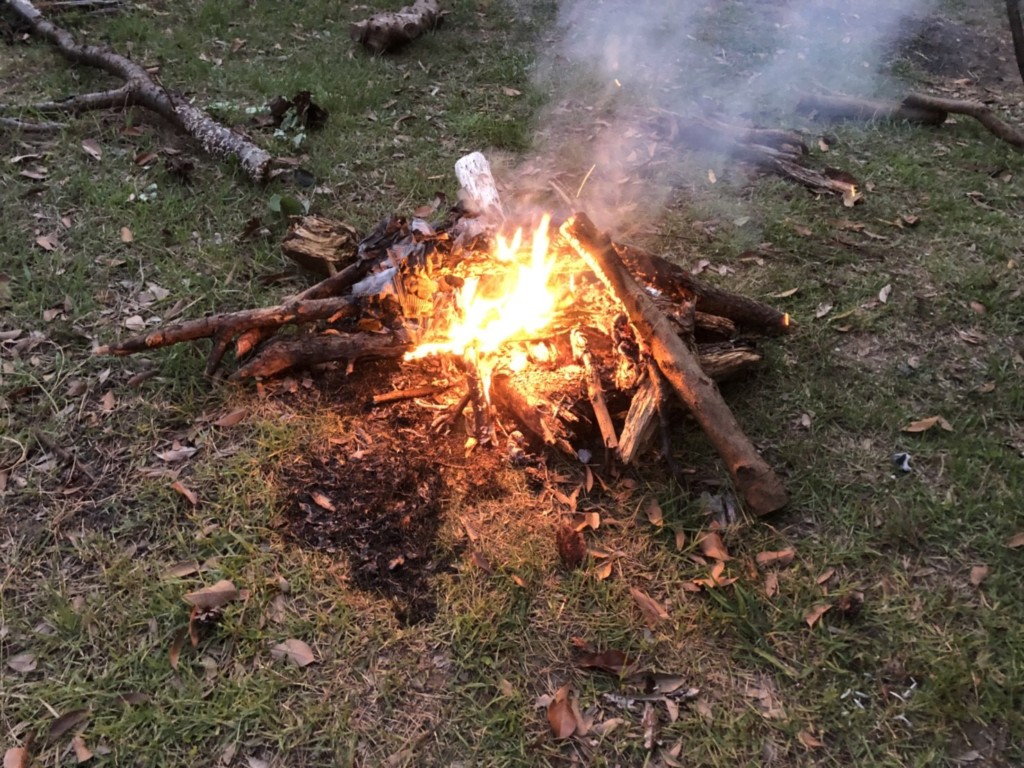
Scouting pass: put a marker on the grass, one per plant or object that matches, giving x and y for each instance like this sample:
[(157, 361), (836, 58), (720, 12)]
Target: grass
[(928, 673)]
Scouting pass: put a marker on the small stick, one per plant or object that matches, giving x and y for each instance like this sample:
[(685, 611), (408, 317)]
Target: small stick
[(408, 394), (581, 352), (662, 388)]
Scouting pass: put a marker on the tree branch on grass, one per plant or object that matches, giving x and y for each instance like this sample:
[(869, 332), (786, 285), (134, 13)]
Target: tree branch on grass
[(140, 89)]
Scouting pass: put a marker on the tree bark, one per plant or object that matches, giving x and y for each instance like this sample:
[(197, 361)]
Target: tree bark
[(754, 479), (140, 89), (850, 108), (386, 31)]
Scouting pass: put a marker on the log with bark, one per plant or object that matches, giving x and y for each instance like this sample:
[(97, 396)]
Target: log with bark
[(915, 108), (754, 479), (138, 89), (386, 31)]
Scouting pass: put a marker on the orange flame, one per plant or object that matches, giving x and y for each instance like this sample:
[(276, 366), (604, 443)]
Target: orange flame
[(523, 307)]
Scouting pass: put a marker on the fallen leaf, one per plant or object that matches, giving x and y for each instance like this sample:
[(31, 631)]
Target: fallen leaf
[(135, 323), (216, 596), (82, 752), (711, 545), (978, 308), (680, 538), (883, 295), (611, 661), (108, 401), (801, 230), (126, 235), (322, 501), (604, 570), (923, 425), (295, 650), (65, 723), (712, 177), (978, 574), (176, 645), (607, 726), (237, 44), (47, 242), (778, 557), (785, 294), (572, 549), (480, 561), (92, 149), (1016, 541), (825, 576), (511, 92), (16, 757), (654, 515), (771, 584), (184, 491), (822, 310), (180, 569), (560, 714), (809, 740), (813, 615), (23, 662), (232, 418), (653, 611), (176, 454)]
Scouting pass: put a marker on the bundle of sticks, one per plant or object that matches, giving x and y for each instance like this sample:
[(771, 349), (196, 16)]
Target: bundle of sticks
[(635, 329)]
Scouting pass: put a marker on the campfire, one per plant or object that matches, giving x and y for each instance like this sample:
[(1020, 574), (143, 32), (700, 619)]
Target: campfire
[(545, 331)]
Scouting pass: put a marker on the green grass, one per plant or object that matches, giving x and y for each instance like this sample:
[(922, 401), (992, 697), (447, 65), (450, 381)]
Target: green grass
[(931, 668)]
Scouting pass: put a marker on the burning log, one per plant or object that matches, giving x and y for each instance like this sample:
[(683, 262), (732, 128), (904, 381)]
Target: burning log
[(754, 479), (312, 349), (581, 352), (543, 419), (915, 108), (387, 31)]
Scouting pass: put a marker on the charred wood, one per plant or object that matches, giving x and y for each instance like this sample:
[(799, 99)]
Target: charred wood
[(303, 351)]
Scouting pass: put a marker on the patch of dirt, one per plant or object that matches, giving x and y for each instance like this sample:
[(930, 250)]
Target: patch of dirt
[(377, 494), (950, 48)]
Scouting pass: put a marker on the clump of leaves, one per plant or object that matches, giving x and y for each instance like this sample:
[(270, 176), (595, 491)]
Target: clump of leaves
[(572, 549)]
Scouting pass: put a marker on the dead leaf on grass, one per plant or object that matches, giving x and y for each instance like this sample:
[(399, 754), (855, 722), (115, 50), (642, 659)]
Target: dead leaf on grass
[(654, 515), (612, 661), (190, 495), (604, 570), (178, 453), (82, 752), (978, 574), (213, 597), (480, 561), (1016, 541), (47, 242), (108, 402), (17, 757), (126, 235), (180, 569), (23, 662), (883, 295), (923, 425), (825, 576), (711, 545), (978, 308), (322, 501), (822, 310), (771, 584), (785, 294), (65, 723), (572, 549), (560, 714), (653, 611), (295, 650), (809, 740), (814, 615), (232, 418), (91, 147), (780, 557)]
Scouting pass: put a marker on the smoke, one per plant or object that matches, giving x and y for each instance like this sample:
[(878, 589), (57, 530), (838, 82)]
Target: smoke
[(617, 63)]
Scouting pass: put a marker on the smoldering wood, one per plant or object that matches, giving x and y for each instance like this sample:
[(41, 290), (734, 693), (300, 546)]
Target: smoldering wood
[(386, 31), (307, 350), (408, 394), (595, 390), (676, 281), (545, 420), (756, 482), (140, 89), (323, 246), (916, 108)]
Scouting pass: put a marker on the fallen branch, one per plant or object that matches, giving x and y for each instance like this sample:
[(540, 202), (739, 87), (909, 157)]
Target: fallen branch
[(386, 31), (28, 126), (754, 479), (915, 107), (312, 349), (140, 89)]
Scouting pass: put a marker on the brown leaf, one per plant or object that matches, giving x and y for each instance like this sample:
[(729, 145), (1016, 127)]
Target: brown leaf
[(781, 557), (145, 158), (232, 418), (560, 714), (809, 740), (822, 310), (184, 491), (1016, 541), (322, 501), (17, 757), (511, 92), (24, 662), (176, 645), (108, 402), (604, 570), (978, 574), (92, 149), (978, 308), (711, 545), (611, 661), (784, 294), (65, 723), (82, 752), (295, 650), (480, 561), (176, 454), (180, 569), (126, 235), (216, 596), (825, 576), (923, 425), (572, 549), (653, 611), (654, 515), (771, 584), (813, 615), (680, 538), (47, 242)]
